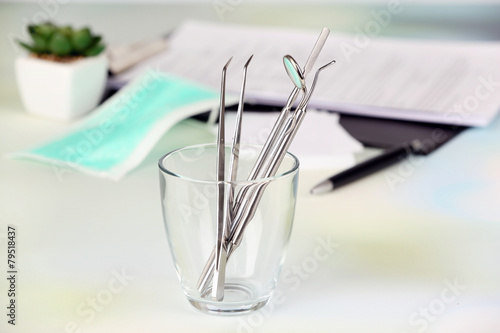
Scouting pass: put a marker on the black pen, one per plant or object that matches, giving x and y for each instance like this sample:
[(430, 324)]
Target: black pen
[(389, 157)]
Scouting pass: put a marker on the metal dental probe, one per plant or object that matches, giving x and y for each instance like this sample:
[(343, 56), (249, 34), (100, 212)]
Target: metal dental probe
[(235, 150), (222, 213)]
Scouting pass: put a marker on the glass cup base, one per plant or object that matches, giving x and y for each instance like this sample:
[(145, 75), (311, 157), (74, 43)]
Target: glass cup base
[(238, 299)]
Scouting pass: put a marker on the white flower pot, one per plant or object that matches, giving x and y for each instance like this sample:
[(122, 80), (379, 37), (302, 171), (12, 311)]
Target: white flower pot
[(61, 90)]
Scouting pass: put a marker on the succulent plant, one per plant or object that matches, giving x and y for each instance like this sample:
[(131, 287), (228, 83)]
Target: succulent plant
[(49, 39)]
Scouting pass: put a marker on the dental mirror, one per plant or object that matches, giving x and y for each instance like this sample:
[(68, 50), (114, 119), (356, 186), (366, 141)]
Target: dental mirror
[(294, 72)]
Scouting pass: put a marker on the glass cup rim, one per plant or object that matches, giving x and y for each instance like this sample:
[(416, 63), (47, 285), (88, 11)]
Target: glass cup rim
[(164, 170)]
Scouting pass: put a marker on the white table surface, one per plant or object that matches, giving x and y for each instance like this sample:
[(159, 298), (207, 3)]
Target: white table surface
[(422, 255)]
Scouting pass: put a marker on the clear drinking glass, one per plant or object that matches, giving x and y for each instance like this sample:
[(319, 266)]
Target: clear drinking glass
[(188, 198)]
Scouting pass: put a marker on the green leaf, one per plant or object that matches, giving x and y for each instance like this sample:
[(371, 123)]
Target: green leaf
[(95, 50), (81, 39), (62, 41), (32, 29), (59, 44), (66, 31), (41, 43), (28, 47), (45, 30), (95, 41)]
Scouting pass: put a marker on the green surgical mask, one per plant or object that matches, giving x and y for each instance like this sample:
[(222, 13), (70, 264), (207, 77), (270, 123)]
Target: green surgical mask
[(123, 130)]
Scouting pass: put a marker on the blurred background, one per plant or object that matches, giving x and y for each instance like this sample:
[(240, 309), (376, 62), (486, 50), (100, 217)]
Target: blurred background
[(122, 22), (134, 20)]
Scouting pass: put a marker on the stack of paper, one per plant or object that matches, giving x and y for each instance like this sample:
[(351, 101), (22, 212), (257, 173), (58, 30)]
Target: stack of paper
[(434, 81)]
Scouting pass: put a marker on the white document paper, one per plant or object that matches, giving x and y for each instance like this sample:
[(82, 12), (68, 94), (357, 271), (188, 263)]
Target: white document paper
[(319, 143), (433, 81)]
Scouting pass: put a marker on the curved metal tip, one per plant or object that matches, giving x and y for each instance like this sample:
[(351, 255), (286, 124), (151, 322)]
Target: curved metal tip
[(227, 63), (326, 65), (306, 100), (248, 61)]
